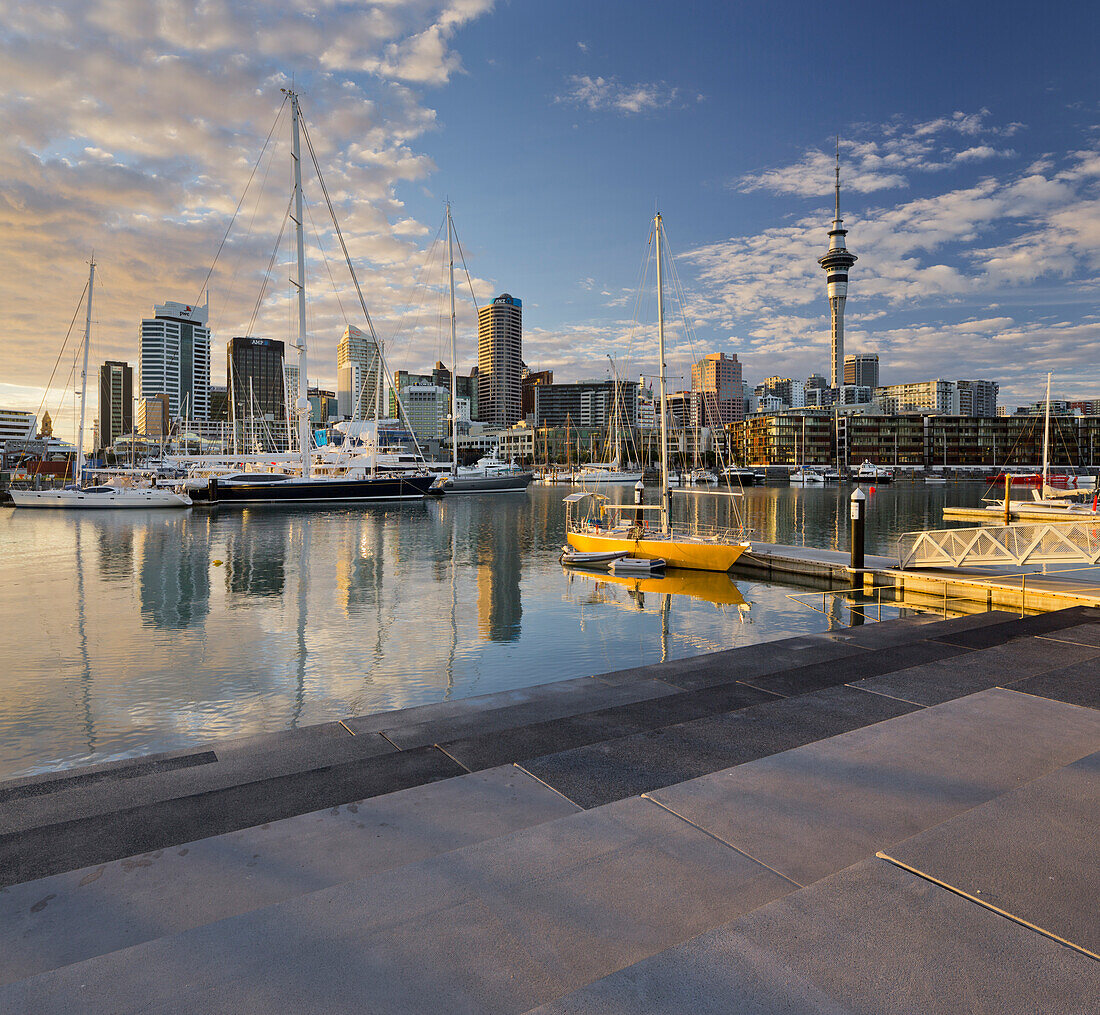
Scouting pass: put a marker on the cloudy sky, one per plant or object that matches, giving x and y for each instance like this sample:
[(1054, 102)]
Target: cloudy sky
[(969, 140)]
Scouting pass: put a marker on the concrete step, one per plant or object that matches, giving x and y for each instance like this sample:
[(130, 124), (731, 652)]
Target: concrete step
[(55, 921), (525, 917)]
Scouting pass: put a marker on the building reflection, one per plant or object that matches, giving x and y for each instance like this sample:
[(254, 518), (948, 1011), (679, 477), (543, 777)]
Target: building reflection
[(256, 556), (174, 574), (359, 566), (115, 541), (499, 609)]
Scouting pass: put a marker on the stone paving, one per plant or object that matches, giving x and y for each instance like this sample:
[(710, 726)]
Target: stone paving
[(896, 817)]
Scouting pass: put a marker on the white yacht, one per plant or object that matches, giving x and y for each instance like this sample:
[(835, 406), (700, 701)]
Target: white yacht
[(874, 473)]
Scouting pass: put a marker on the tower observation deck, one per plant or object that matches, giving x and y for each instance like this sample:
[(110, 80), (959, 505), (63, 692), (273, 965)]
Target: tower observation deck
[(836, 264)]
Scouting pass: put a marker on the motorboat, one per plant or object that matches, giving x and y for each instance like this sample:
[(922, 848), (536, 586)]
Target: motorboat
[(732, 474), (597, 559), (807, 477), (702, 477), (489, 475), (868, 471)]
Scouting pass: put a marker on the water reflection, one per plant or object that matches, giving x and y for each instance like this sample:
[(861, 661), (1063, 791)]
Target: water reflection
[(121, 635), (174, 573)]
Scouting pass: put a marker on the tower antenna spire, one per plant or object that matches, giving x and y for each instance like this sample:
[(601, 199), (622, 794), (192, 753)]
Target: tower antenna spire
[(836, 263), (837, 215)]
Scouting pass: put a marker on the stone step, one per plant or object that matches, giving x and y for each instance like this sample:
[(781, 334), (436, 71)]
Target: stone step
[(525, 917), (65, 918)]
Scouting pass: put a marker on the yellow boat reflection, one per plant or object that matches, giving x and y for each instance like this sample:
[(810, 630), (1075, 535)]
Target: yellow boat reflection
[(710, 586)]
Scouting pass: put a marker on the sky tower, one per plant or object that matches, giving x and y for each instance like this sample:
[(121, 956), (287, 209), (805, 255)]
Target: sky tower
[(836, 264)]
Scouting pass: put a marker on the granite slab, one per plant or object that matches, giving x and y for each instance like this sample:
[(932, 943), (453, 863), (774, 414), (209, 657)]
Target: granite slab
[(65, 845), (852, 668), (612, 770), (58, 920), (871, 940), (505, 746), (1083, 634), (999, 666), (814, 810), (495, 927), (1033, 853), (1078, 684), (1041, 623)]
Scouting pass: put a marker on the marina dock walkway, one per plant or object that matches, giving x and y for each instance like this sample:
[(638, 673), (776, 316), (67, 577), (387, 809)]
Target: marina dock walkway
[(896, 817)]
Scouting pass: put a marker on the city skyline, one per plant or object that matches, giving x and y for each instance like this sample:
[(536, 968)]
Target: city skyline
[(972, 202)]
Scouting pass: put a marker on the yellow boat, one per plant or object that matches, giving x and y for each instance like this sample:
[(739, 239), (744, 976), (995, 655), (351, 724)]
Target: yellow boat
[(698, 548), (610, 529)]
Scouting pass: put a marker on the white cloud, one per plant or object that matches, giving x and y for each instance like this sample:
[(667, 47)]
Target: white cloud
[(609, 94), (131, 129)]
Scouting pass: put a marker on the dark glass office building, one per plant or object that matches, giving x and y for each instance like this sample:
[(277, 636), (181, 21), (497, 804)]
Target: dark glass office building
[(255, 378)]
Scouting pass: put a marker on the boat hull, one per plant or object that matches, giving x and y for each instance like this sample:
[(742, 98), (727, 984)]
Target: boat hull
[(321, 492), (78, 500), (676, 552), (488, 484)]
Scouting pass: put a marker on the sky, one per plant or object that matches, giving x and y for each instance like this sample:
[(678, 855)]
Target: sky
[(970, 166)]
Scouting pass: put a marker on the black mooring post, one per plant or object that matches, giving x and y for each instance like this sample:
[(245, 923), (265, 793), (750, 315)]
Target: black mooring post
[(859, 513)]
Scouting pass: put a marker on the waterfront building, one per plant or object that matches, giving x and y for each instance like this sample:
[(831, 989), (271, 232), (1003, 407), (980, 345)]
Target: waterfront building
[(219, 403), (977, 398), (836, 264), (896, 442), (500, 361), (116, 402), (933, 396), (783, 438), (15, 424), (586, 403), (516, 443), (530, 380), (861, 369), (716, 378), (255, 370), (357, 372), (174, 359), (153, 415), (427, 408)]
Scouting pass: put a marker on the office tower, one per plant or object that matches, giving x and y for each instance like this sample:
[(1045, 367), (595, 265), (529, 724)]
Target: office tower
[(15, 424), (530, 380), (116, 401), (977, 398), (153, 416), (836, 264), (862, 370), (717, 379), (815, 382), (500, 361), (589, 404), (174, 359), (357, 374), (427, 408), (219, 403), (256, 379)]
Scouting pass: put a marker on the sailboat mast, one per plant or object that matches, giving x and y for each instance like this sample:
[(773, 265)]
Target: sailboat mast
[(78, 474), (454, 356), (1046, 440), (666, 494), (303, 394)]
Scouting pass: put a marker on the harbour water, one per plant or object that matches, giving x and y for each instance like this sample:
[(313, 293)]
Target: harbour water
[(130, 632)]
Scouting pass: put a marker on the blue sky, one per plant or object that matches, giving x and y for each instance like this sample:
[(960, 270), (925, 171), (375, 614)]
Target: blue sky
[(970, 146)]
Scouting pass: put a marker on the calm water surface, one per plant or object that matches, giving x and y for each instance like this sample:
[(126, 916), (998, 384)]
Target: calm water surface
[(129, 632)]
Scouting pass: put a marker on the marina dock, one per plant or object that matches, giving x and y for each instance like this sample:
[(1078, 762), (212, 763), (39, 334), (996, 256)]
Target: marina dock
[(895, 817)]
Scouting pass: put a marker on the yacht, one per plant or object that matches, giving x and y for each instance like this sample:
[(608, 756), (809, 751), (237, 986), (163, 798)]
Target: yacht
[(874, 473)]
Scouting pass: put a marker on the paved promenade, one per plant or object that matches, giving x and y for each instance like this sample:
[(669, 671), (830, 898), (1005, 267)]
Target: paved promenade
[(898, 817)]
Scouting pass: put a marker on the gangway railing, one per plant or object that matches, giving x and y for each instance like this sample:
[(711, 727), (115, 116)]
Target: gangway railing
[(1011, 545)]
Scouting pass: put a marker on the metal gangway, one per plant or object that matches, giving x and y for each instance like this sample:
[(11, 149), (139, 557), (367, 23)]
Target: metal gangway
[(1014, 545)]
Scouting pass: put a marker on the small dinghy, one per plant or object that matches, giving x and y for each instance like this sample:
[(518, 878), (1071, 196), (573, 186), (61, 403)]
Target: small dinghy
[(637, 565), (600, 559)]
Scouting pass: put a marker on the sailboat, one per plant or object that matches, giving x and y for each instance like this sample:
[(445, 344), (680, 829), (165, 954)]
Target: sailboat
[(490, 474), (351, 483), (123, 493), (601, 526)]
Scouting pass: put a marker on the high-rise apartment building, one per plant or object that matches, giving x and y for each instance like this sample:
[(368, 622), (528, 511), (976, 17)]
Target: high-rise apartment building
[(589, 404), (357, 374), (15, 424), (500, 361), (716, 378), (116, 401), (978, 398), (255, 371), (836, 264), (927, 396), (791, 392), (861, 369), (174, 359)]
